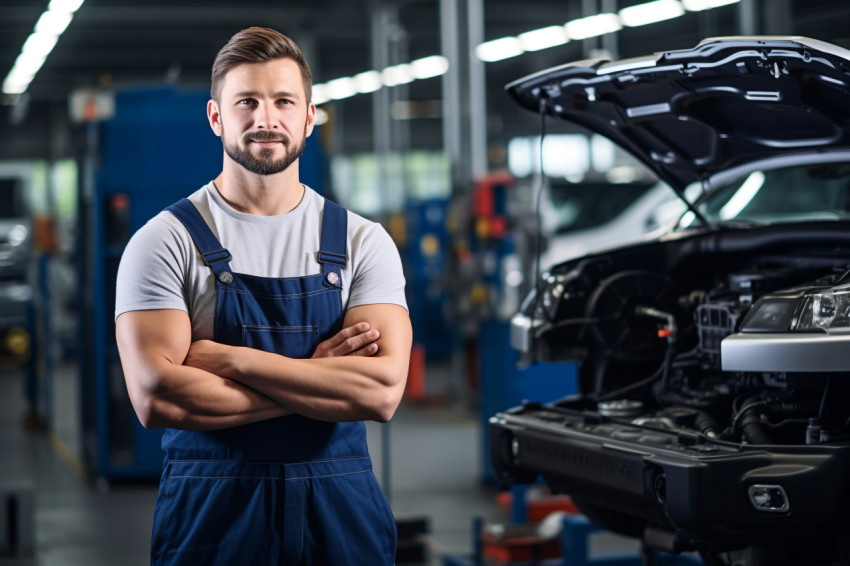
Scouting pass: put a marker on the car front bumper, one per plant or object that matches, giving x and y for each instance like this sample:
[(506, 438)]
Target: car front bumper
[(707, 490)]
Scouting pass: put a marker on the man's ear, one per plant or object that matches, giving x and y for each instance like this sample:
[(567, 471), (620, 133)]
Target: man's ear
[(311, 120), (214, 117)]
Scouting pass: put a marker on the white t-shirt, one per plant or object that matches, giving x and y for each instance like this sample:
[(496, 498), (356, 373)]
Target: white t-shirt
[(161, 267)]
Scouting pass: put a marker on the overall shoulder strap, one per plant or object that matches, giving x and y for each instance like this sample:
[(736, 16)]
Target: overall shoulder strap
[(332, 248), (214, 254)]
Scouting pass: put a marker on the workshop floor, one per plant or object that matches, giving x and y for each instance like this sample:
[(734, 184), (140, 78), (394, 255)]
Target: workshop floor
[(434, 472)]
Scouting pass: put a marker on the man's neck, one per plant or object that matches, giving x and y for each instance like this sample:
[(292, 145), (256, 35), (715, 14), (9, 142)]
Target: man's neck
[(263, 195)]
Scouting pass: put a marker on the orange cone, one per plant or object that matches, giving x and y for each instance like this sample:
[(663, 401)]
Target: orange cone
[(415, 390)]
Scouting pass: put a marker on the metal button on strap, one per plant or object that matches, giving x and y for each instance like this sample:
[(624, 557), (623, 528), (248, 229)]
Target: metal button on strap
[(225, 277), (333, 278)]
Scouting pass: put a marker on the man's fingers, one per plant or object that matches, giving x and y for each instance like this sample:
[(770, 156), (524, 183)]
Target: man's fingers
[(356, 342), (357, 339), (369, 350), (347, 333)]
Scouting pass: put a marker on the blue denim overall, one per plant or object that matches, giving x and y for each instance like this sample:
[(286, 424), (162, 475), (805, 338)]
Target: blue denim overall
[(289, 490)]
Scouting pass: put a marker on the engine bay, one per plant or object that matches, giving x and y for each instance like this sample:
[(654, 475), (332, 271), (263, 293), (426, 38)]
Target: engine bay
[(650, 347), (660, 425)]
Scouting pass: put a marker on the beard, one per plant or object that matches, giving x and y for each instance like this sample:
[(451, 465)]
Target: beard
[(264, 163)]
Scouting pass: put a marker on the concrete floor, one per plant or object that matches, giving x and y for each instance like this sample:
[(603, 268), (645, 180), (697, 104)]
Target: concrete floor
[(435, 471), (434, 466)]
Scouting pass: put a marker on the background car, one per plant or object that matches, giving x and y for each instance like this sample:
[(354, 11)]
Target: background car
[(593, 216), (15, 264)]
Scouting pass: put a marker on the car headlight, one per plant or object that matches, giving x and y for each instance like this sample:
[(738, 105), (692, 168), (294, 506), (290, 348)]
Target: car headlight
[(827, 310), (18, 235)]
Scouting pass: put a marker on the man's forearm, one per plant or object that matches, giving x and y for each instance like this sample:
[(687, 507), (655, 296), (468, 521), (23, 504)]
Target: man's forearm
[(191, 399), (335, 389), (167, 393)]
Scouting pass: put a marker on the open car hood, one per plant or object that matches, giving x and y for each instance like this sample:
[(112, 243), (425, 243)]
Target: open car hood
[(723, 106)]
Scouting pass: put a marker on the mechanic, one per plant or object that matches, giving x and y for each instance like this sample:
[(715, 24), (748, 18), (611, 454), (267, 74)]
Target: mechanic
[(261, 324)]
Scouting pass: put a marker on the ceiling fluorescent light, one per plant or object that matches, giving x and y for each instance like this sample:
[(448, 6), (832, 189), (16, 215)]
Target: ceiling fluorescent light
[(428, 67), (69, 6), (593, 26), (29, 62), (320, 94), (21, 73), (367, 81), (50, 25), (651, 12), (53, 22), (13, 85), (543, 38), (338, 89), (700, 5), (397, 75), (499, 49), (39, 44)]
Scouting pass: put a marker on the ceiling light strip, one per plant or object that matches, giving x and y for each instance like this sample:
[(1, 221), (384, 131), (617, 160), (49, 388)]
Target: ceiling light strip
[(507, 47), (651, 12), (370, 81), (592, 26), (50, 25), (53, 22)]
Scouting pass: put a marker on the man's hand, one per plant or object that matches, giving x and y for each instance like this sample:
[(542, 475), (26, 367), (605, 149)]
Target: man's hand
[(355, 340)]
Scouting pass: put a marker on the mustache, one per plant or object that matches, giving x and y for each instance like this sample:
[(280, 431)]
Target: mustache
[(265, 136)]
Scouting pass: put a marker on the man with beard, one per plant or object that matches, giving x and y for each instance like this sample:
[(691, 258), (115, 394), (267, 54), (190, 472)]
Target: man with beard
[(260, 324)]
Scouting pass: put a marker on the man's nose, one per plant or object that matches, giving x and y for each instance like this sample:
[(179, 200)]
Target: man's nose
[(265, 117)]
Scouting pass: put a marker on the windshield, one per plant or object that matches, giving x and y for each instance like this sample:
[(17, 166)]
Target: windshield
[(578, 206), (792, 194)]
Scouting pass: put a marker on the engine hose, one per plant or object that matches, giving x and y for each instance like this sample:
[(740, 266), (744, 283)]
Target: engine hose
[(794, 408), (707, 425), (753, 430), (750, 416)]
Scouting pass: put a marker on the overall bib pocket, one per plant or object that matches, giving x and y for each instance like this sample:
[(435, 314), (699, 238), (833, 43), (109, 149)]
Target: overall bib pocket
[(293, 341)]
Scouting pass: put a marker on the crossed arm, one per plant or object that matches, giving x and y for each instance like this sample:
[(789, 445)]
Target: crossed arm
[(173, 382)]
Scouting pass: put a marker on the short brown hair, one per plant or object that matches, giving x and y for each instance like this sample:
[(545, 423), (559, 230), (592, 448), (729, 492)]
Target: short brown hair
[(258, 45)]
